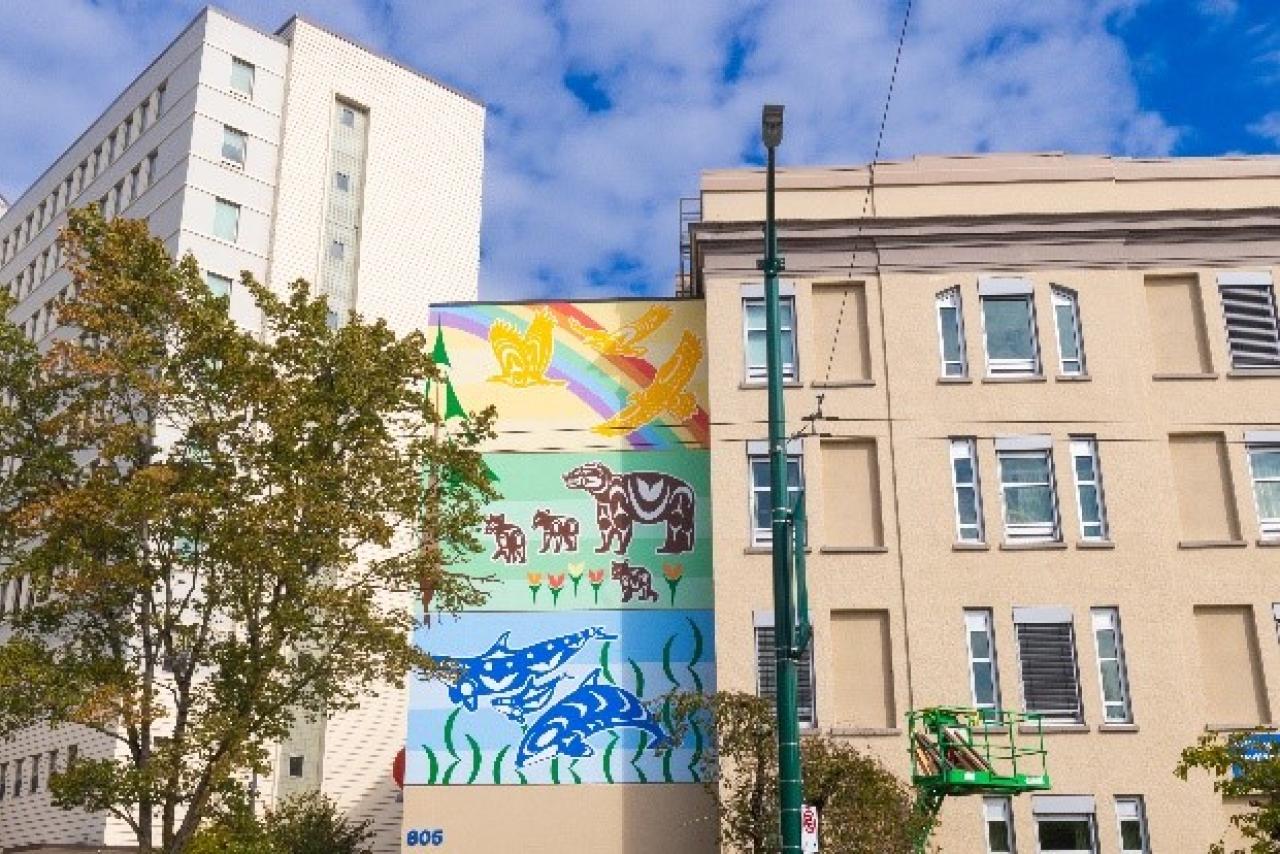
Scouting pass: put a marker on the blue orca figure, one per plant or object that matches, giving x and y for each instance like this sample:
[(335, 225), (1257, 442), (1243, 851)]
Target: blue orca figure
[(504, 672), (590, 708)]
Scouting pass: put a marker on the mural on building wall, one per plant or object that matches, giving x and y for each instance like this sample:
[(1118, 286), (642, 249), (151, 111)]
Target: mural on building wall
[(597, 559)]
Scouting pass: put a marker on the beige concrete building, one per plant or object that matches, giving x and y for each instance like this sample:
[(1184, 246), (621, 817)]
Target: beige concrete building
[(1047, 472)]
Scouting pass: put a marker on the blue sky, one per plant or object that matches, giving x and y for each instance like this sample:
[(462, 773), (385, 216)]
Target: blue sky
[(602, 113)]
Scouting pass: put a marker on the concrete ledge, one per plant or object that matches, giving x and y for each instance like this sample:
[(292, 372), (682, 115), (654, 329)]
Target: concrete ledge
[(857, 731), (1269, 543), (1049, 728), (1030, 378), (842, 384), (1175, 377), (761, 385), (1117, 727), (853, 550), (1054, 545), (1073, 378), (1211, 544), (1238, 728), (970, 547), (1253, 373), (1095, 544), (955, 380)]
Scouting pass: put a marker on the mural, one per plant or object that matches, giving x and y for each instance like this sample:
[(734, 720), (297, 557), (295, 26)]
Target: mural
[(574, 697), (598, 561)]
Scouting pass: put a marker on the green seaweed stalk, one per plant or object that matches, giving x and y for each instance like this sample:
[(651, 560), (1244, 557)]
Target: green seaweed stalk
[(448, 743), (644, 742), (433, 766), (666, 661), (497, 764), (639, 677), (697, 654), (477, 761), (671, 748), (555, 769), (604, 663), (573, 773), (697, 751), (607, 764)]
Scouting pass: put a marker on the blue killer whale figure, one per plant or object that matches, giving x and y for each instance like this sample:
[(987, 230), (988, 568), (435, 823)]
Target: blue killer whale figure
[(510, 677), (590, 708)]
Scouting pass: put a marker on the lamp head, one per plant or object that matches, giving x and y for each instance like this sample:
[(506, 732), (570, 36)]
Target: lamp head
[(771, 125)]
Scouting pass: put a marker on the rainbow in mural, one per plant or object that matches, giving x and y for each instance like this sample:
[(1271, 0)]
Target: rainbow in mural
[(597, 559)]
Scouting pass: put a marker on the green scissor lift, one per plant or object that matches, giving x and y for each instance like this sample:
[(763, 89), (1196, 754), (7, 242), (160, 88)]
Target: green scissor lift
[(959, 751)]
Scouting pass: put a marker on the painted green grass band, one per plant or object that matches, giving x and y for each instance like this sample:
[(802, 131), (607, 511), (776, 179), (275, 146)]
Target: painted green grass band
[(572, 772), (524, 781)]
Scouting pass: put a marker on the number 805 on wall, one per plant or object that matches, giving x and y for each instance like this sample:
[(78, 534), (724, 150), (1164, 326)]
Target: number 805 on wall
[(426, 837)]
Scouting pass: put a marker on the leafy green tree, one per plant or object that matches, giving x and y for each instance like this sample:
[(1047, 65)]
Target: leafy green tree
[(1246, 771), (864, 808), (308, 823), (221, 529)]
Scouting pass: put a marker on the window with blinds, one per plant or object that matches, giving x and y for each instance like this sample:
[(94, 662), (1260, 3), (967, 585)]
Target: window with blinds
[(767, 676), (1047, 654), (1249, 309)]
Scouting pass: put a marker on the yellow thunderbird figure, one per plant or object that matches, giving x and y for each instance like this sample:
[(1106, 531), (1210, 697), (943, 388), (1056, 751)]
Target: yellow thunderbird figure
[(665, 394), (622, 342), (523, 359)]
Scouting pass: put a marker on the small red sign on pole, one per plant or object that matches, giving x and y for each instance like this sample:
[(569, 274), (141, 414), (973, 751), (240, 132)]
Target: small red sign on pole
[(397, 769)]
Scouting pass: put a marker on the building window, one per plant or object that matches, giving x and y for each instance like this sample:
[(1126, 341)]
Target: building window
[(1066, 834), (346, 116), (226, 220), (4, 779), (1027, 489), (242, 77), (1249, 309), (1089, 498), (984, 680), (1264, 468), (219, 285), (998, 815), (73, 751), (1066, 314), (53, 762), (35, 773), (761, 503), (342, 181), (1047, 656), (1112, 677), (968, 495), (767, 674), (1009, 326), (951, 334), (754, 332), (337, 250), (17, 778), (234, 143), (1131, 816), (295, 766)]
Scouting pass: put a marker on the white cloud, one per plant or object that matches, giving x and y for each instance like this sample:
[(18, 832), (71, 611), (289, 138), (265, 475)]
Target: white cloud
[(1267, 127), (571, 194)]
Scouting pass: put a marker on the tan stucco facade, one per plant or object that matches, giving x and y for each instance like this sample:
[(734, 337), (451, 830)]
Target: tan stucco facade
[(1141, 245)]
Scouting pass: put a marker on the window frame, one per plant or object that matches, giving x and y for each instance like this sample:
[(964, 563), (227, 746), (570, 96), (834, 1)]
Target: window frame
[(241, 64), (1088, 818), (301, 760), (209, 275), (1025, 532), (758, 374), (764, 623), (998, 809), (1137, 806), (1007, 367), (220, 204), (1245, 281), (1055, 617), (1087, 447), (982, 620), (757, 451), (951, 298), (968, 445), (1103, 619), (229, 133), (1064, 297), (1268, 527)]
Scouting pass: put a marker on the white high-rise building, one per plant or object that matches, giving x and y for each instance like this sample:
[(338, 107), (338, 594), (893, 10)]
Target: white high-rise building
[(294, 154)]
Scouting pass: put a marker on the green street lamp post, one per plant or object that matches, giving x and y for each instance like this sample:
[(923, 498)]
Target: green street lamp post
[(790, 782)]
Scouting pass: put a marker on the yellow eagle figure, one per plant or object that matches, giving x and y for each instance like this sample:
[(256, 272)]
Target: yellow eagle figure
[(623, 341), (523, 359), (665, 394)]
